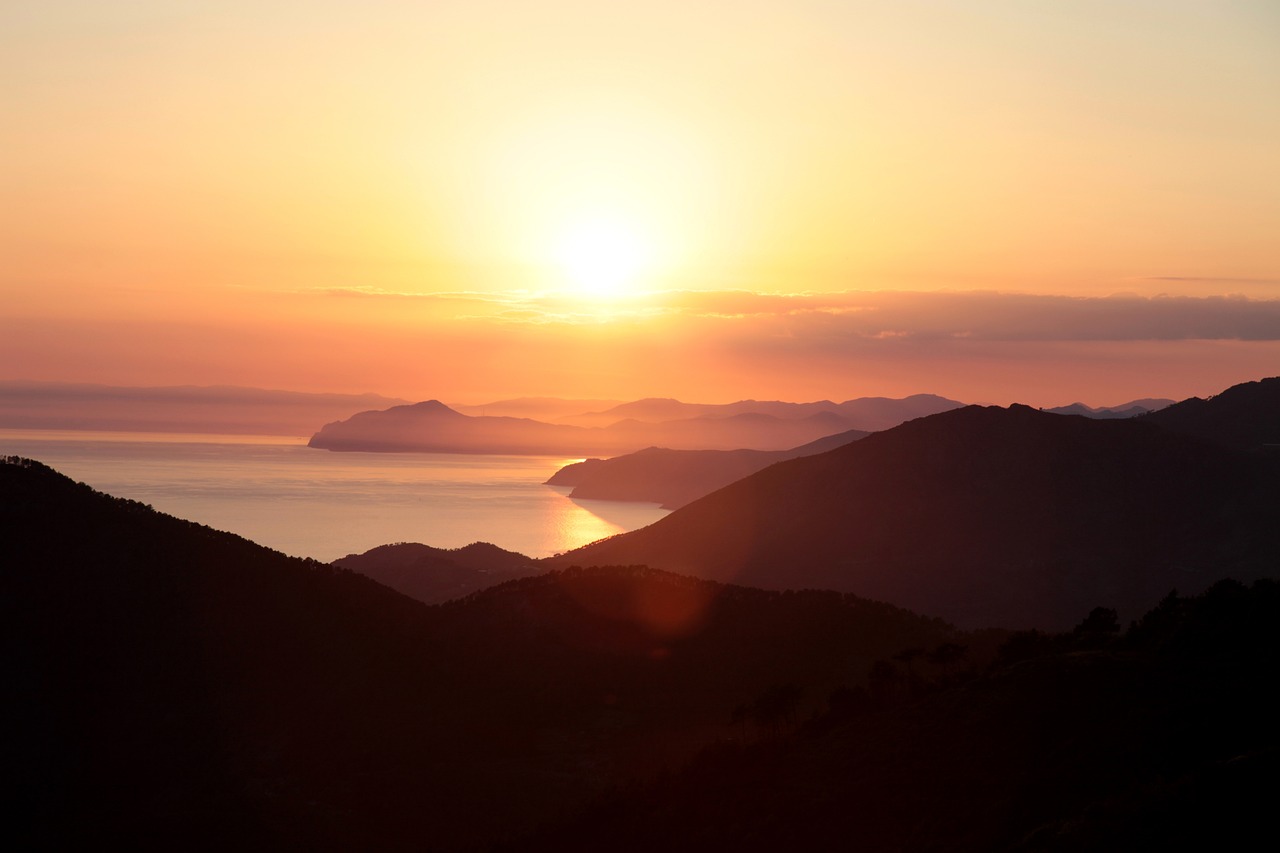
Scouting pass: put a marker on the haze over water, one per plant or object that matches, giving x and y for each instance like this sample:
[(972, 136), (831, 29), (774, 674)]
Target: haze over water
[(313, 503)]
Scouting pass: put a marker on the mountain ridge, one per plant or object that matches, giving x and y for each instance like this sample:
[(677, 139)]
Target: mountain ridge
[(1243, 417), (982, 515)]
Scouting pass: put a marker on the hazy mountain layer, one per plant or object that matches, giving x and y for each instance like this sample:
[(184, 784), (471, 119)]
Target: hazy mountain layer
[(674, 478), (864, 413), (1124, 410), (434, 427), (538, 408)]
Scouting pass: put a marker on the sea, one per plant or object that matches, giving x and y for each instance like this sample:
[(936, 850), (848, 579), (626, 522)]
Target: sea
[(317, 503)]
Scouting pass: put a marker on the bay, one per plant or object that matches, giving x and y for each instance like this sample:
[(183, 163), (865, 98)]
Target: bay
[(315, 503)]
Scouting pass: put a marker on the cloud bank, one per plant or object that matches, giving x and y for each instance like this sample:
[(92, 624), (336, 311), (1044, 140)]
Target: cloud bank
[(714, 346)]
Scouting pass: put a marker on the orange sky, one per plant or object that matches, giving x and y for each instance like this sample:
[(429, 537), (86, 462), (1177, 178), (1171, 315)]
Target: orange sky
[(994, 201)]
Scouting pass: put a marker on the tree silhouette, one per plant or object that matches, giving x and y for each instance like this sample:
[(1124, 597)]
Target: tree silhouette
[(883, 680), (1098, 627), (908, 657), (775, 708), (946, 656)]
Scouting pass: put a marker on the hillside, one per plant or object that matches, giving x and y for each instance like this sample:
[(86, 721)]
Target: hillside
[(984, 516), (173, 682), (1158, 738), (1243, 417), (172, 686), (674, 478)]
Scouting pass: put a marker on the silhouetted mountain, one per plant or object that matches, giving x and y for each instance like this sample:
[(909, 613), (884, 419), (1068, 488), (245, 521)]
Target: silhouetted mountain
[(1125, 410), (1243, 417), (984, 516), (170, 686), (865, 413), (432, 575), (1163, 738), (673, 478), (434, 427), (1151, 404), (650, 409)]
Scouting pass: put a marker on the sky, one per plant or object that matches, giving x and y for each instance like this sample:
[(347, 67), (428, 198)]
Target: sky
[(993, 200)]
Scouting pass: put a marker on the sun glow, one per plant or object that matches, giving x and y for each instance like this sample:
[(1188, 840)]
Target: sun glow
[(603, 258)]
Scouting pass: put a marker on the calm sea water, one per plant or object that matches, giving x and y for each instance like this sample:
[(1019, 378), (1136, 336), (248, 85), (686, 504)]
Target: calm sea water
[(315, 503)]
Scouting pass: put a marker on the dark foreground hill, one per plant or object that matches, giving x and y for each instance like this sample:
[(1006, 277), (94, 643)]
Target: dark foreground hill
[(1160, 738), (171, 687), (984, 516), (674, 478)]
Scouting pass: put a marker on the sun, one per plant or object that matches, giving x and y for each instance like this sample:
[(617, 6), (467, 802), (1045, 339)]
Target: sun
[(603, 258)]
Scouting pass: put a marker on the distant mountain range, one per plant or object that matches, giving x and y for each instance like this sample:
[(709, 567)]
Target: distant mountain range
[(1125, 410), (985, 516), (674, 478), (864, 413), (235, 410), (538, 408), (434, 427)]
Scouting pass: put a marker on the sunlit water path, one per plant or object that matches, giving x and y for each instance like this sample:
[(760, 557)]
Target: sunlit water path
[(314, 503)]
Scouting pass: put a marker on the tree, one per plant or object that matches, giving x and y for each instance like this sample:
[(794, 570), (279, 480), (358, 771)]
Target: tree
[(776, 707), (946, 656), (908, 656), (883, 680)]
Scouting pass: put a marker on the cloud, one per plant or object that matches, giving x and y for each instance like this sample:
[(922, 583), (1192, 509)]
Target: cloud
[(703, 345), (371, 293), (1212, 279), (988, 316), (885, 316)]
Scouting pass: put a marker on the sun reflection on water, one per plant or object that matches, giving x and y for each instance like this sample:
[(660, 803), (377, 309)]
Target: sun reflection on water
[(574, 522), (572, 526)]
